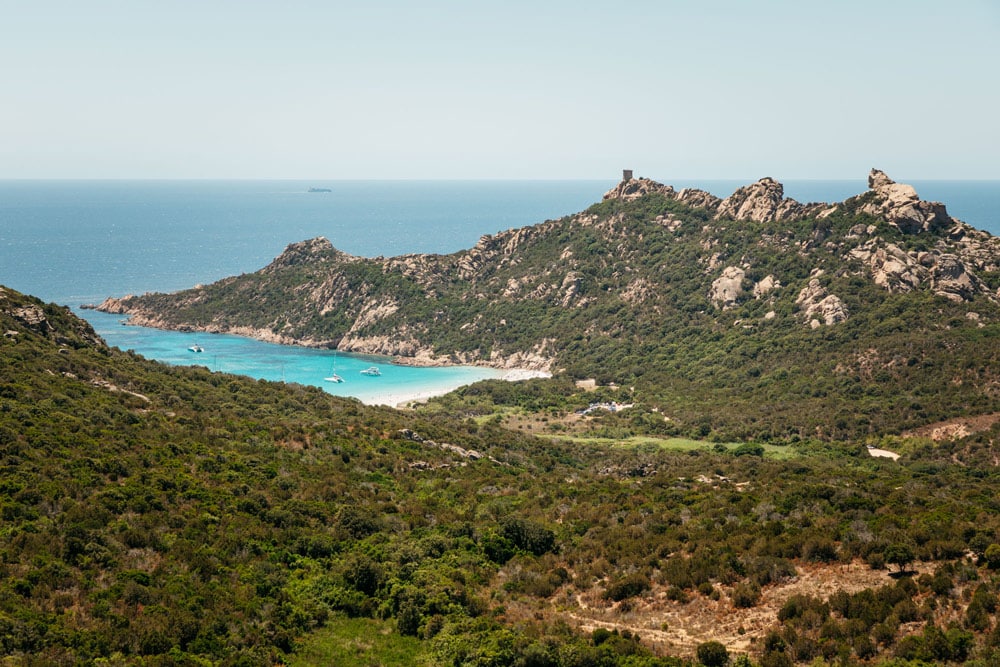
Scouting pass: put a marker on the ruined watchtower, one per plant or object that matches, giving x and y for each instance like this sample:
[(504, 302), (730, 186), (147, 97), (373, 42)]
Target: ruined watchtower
[(626, 174)]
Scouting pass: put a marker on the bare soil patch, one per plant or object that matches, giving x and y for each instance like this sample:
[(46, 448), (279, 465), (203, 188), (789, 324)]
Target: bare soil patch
[(953, 429), (676, 628)]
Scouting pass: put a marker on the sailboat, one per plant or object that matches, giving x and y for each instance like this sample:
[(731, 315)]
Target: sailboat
[(333, 372)]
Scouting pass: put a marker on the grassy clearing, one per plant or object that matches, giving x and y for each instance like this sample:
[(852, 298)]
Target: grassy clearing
[(360, 641), (650, 443)]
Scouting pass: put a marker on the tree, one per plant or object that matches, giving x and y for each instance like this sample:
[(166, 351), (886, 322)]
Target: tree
[(900, 555), (713, 654), (992, 556)]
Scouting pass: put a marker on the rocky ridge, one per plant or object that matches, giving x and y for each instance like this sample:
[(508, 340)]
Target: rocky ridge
[(498, 292)]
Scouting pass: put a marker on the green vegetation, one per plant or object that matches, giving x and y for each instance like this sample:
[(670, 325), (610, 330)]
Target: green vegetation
[(620, 293), (360, 641), (161, 516)]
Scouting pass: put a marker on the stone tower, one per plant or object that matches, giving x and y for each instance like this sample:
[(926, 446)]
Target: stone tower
[(626, 174)]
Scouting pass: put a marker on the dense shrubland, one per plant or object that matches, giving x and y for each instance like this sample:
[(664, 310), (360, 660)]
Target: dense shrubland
[(157, 515)]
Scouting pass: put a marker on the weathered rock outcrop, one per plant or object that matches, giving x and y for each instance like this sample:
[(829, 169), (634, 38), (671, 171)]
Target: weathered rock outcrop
[(899, 205), (766, 285), (311, 251), (727, 288), (49, 321), (950, 279), (696, 198), (891, 267), (634, 188), (819, 307), (764, 201), (896, 270)]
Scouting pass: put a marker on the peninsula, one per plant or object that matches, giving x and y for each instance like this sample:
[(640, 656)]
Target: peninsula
[(757, 313)]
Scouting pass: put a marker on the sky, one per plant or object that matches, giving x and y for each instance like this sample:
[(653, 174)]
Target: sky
[(543, 89)]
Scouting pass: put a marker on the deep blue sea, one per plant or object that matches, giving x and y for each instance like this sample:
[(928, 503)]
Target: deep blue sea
[(77, 242)]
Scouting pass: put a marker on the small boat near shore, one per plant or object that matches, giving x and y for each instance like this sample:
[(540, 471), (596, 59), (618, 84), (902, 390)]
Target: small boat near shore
[(333, 371), (196, 348), (371, 371)]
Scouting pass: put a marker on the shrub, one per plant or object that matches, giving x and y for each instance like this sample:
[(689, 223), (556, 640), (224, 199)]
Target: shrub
[(632, 585), (746, 595), (712, 654)]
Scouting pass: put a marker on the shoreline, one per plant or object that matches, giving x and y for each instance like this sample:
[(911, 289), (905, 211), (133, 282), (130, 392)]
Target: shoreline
[(277, 365), (404, 399), (420, 358)]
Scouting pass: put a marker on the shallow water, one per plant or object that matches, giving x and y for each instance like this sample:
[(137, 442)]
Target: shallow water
[(268, 361)]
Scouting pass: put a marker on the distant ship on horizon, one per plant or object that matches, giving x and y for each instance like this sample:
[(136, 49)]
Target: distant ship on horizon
[(319, 190)]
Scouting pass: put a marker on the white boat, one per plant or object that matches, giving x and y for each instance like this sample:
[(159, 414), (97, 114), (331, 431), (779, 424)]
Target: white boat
[(196, 348), (372, 371), (333, 371)]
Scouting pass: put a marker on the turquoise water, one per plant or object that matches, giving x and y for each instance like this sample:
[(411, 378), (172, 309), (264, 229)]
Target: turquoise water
[(76, 242), (233, 354)]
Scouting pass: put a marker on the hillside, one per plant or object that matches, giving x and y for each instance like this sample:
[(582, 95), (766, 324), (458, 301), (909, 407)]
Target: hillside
[(753, 316), (155, 515)]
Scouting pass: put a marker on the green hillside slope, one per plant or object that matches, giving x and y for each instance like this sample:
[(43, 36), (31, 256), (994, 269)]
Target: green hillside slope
[(754, 315)]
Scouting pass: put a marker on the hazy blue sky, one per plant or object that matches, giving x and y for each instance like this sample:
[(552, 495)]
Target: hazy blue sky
[(511, 89)]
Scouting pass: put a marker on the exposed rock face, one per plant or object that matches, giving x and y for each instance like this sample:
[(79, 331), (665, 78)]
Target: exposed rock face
[(819, 307), (950, 279), (899, 205), (727, 288), (640, 187), (314, 250), (52, 322), (891, 267), (896, 270), (493, 251), (32, 316), (570, 287), (764, 201), (634, 188), (696, 198), (766, 285)]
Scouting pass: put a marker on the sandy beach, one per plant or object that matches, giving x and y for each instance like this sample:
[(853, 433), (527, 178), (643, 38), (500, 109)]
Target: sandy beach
[(403, 398)]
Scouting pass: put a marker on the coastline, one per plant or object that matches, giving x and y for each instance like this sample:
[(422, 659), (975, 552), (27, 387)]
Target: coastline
[(402, 399), (403, 382), (409, 353)]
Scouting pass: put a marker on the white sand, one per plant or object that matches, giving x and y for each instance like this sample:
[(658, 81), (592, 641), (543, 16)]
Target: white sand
[(400, 399), (882, 453)]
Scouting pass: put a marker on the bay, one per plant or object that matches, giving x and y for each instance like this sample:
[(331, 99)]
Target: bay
[(77, 242)]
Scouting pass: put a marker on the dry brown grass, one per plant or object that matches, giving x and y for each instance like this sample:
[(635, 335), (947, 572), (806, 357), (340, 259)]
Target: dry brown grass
[(676, 628)]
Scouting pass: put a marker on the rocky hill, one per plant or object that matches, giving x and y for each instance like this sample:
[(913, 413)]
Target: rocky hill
[(869, 313)]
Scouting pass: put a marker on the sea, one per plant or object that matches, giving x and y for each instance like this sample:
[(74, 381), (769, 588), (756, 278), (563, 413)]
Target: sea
[(76, 242)]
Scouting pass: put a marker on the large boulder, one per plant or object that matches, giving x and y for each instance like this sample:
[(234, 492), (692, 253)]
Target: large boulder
[(950, 279), (764, 201), (633, 188), (899, 205), (818, 307), (727, 288)]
